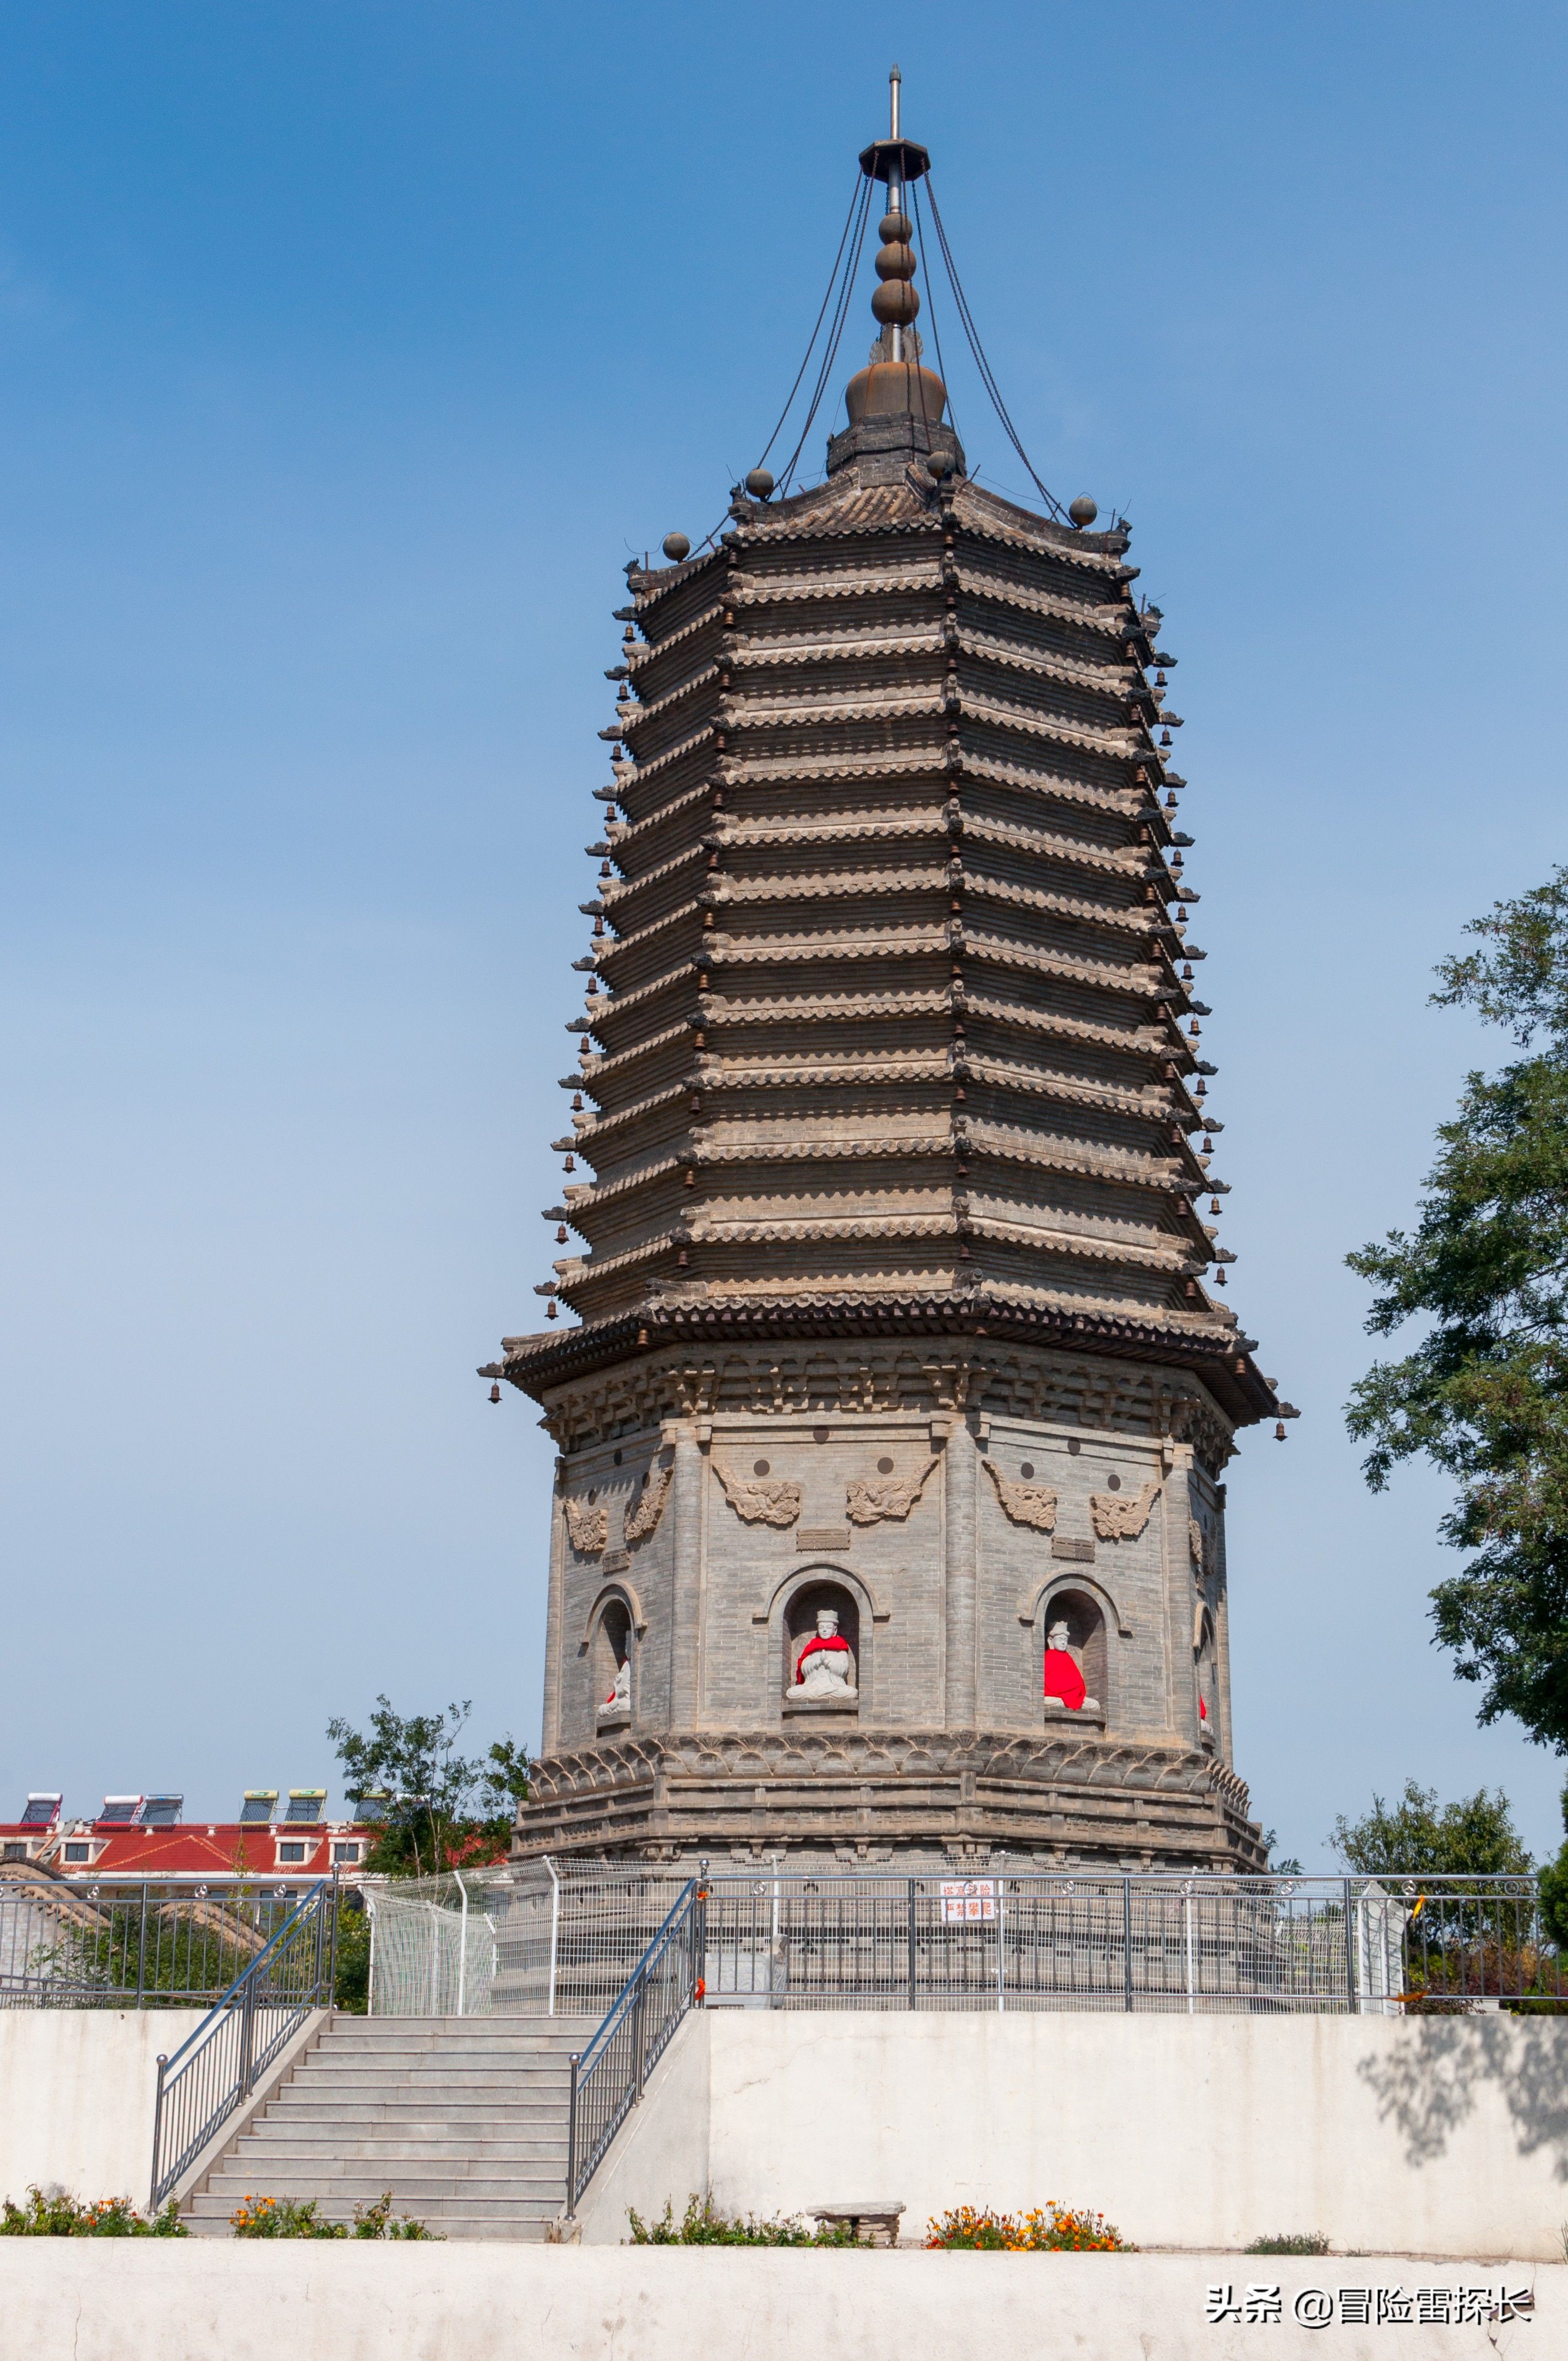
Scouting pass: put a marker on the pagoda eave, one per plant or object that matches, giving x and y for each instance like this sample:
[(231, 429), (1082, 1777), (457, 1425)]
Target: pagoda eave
[(537, 1363)]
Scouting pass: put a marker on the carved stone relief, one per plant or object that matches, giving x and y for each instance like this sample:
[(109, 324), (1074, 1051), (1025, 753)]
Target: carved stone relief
[(1116, 1519), (868, 1503), (588, 1527), (842, 1380), (1024, 1504), (769, 1501), (642, 1518)]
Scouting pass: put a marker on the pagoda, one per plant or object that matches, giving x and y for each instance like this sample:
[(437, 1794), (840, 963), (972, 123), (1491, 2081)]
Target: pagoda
[(889, 1510)]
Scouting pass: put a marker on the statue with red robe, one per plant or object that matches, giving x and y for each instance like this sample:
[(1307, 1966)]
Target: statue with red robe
[(825, 1668), (1063, 1675)]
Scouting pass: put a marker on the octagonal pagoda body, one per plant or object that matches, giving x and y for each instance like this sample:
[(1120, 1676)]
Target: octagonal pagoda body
[(893, 1296)]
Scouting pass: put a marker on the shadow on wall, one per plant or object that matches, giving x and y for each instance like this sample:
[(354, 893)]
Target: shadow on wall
[(1427, 2086)]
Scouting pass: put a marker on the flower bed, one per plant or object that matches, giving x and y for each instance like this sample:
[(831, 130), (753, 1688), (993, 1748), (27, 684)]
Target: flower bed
[(1049, 2229)]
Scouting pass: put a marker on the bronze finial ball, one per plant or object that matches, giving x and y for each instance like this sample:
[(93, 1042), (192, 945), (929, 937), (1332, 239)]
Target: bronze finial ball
[(939, 465), (1083, 511), (893, 229), (894, 303), (676, 546), (760, 484), (895, 262)]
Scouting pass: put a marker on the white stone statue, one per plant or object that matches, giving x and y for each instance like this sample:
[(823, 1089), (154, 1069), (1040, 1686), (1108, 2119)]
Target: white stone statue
[(620, 1695), (825, 1668), (1065, 1683)]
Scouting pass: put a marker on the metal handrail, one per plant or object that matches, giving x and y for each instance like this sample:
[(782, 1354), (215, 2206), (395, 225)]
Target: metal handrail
[(216, 2068), (609, 2076), (103, 1942)]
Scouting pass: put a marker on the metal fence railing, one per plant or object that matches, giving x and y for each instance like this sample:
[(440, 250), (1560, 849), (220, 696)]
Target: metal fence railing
[(137, 1943), (215, 2070), (608, 2076), (541, 1938), (527, 1938)]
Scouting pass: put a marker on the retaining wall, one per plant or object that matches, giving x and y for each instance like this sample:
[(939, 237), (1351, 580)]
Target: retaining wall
[(1434, 2135), (79, 2299), (1419, 2135), (77, 2087)]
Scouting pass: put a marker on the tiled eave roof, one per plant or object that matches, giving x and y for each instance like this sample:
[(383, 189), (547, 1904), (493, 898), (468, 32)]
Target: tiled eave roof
[(1201, 1343)]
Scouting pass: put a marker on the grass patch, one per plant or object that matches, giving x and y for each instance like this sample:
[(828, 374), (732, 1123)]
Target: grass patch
[(702, 2224), (1301, 2242)]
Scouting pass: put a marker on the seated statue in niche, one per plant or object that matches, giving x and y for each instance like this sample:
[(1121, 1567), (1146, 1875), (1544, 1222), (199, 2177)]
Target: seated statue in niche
[(1063, 1675), (825, 1668), (619, 1697)]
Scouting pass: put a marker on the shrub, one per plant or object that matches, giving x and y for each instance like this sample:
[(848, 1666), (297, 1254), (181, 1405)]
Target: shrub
[(351, 1983), (1301, 2242), (290, 2217), (702, 2224), (58, 2215), (1050, 2229), (377, 2222)]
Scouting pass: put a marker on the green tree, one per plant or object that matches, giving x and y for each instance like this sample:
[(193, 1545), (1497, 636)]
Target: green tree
[(1418, 1838), (1554, 1891), (444, 1810), (1485, 1394)]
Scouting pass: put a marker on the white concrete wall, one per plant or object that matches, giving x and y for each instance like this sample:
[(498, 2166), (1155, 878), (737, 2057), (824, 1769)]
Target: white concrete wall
[(78, 2300), (1427, 2135), (77, 2087)]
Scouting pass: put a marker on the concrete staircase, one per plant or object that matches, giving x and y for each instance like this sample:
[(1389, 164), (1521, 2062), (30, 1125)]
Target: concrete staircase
[(463, 2118)]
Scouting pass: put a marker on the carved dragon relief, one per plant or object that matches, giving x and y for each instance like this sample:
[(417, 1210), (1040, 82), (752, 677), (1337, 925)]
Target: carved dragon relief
[(588, 1527), (868, 1503), (1123, 1521), (773, 1501), (642, 1518), (1024, 1504)]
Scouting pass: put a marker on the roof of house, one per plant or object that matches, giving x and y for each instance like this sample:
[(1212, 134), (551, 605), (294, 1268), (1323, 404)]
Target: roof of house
[(203, 1849)]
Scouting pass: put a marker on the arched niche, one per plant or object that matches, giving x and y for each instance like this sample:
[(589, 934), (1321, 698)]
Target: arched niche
[(790, 1621), (1081, 1607), (799, 1622), (614, 1625)]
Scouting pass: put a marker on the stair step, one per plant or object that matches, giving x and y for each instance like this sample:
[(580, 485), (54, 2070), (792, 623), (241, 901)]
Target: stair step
[(318, 2155), (417, 2121), (480, 2087), (409, 2195)]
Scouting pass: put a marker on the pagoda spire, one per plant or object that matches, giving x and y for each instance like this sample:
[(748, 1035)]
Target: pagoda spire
[(896, 385)]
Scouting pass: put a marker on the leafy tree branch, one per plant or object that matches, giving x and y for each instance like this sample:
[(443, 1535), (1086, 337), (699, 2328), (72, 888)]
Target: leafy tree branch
[(1484, 1395), (444, 1809)]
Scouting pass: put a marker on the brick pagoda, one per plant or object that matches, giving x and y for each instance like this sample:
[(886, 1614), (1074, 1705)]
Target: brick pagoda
[(887, 1156)]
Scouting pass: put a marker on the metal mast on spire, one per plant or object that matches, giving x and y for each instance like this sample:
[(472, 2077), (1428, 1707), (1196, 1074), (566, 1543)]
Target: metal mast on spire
[(897, 161), (894, 180)]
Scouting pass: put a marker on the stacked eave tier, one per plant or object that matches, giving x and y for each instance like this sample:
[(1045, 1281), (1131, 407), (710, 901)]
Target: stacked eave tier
[(889, 981)]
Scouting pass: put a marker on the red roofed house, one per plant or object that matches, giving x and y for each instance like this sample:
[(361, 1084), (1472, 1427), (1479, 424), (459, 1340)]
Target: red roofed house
[(144, 1836)]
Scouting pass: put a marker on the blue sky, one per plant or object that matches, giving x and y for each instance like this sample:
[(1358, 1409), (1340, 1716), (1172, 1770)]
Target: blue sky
[(346, 353)]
